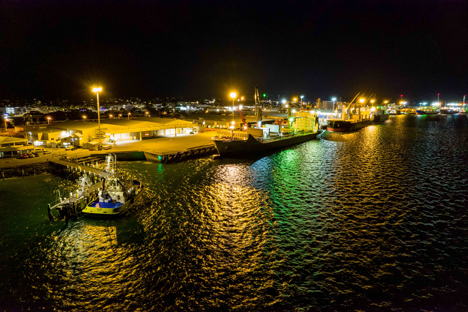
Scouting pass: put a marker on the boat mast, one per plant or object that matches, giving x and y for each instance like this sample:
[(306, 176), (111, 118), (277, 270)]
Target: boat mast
[(258, 108)]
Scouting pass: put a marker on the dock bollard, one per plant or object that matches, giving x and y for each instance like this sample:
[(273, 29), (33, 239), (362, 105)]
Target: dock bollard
[(51, 219)]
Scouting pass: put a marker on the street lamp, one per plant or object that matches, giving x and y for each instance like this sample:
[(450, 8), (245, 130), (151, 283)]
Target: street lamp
[(361, 100), (334, 100), (129, 115), (147, 113), (48, 120), (97, 90), (84, 118), (301, 100), (233, 96)]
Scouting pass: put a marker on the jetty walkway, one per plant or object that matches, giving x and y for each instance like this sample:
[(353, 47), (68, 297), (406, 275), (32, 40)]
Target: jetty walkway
[(83, 166)]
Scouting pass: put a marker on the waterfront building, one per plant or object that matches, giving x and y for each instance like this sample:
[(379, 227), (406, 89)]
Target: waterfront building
[(12, 146), (78, 133)]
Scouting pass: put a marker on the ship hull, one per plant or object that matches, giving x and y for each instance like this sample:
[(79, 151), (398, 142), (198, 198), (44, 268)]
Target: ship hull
[(108, 210), (346, 126), (422, 112), (380, 118), (252, 146)]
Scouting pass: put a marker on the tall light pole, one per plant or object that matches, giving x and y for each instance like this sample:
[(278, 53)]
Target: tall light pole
[(438, 100), (233, 96), (334, 100), (97, 90), (301, 100)]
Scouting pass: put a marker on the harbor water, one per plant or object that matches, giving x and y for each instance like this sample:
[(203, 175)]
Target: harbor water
[(374, 220)]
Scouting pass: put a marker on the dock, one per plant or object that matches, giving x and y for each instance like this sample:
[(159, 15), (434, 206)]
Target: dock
[(175, 156), (92, 166)]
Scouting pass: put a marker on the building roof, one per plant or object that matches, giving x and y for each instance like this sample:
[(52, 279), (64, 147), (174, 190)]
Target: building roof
[(9, 140)]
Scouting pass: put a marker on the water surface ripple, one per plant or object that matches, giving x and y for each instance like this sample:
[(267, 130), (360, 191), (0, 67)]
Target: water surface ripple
[(373, 220)]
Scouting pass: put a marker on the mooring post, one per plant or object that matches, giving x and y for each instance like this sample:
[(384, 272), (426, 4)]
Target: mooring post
[(51, 219)]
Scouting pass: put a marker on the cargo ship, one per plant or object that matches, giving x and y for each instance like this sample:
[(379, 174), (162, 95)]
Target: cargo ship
[(301, 127), (241, 144), (354, 122), (338, 125)]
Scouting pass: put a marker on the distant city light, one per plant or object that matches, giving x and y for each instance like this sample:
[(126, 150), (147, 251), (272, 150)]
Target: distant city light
[(283, 101), (333, 99)]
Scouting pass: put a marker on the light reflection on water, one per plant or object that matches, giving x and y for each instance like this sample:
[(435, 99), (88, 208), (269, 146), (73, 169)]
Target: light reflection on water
[(370, 220)]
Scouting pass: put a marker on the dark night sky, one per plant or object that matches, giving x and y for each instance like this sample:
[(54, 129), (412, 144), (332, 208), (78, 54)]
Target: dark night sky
[(57, 49)]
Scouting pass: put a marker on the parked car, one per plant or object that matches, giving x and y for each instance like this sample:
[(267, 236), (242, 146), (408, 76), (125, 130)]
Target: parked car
[(23, 156)]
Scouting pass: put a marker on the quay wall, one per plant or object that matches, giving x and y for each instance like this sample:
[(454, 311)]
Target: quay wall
[(25, 170), (124, 155)]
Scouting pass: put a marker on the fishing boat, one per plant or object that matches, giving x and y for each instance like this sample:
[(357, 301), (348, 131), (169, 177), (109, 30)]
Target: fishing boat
[(300, 128), (110, 197), (115, 196)]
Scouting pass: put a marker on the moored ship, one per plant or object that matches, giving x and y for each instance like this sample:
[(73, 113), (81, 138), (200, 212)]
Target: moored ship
[(338, 125), (354, 121), (110, 197), (243, 144), (299, 128)]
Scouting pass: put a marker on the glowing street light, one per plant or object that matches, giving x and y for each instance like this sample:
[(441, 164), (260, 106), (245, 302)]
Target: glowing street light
[(295, 100), (146, 113), (48, 120), (110, 116), (372, 101), (283, 101), (129, 115), (242, 98), (233, 96), (97, 90), (385, 102), (361, 100), (84, 118), (301, 99)]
